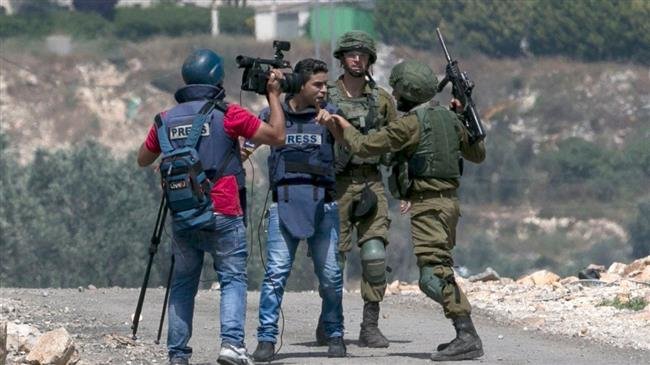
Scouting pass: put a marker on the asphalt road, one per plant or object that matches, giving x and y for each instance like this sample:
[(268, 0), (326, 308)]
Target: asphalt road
[(413, 325)]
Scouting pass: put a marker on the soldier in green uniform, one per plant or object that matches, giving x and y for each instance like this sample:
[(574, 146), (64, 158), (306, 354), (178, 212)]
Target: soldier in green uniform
[(368, 107), (429, 142)]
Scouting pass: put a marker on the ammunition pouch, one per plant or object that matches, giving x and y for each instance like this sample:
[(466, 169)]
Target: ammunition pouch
[(365, 206), (399, 182)]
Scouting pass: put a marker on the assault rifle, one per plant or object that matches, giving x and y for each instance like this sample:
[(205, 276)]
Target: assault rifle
[(462, 88)]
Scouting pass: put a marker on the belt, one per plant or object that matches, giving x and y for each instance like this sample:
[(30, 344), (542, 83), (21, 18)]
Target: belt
[(450, 193), (362, 170), (329, 196)]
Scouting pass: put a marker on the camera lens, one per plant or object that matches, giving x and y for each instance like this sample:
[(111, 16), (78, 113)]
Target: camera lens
[(292, 83)]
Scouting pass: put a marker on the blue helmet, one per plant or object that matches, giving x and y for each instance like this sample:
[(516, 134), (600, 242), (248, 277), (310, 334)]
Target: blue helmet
[(203, 66)]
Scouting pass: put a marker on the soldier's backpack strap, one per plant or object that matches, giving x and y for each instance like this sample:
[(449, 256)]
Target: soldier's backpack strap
[(373, 110)]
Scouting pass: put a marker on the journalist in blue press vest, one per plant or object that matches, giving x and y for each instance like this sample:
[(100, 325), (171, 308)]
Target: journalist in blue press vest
[(202, 177), (301, 175)]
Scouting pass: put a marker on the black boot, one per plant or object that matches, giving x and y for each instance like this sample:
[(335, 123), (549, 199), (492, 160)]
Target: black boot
[(370, 335), (466, 346), (336, 347), (264, 352), (321, 337)]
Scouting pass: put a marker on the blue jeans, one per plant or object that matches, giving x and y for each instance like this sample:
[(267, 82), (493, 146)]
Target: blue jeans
[(280, 254), (227, 245)]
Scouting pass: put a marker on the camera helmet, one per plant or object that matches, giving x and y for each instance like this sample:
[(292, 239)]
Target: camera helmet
[(203, 66), (414, 81), (356, 40)]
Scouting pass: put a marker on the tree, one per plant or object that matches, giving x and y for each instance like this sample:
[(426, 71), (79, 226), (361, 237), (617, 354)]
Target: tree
[(105, 8), (640, 231)]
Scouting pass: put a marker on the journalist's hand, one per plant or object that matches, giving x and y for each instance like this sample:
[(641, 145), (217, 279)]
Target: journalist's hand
[(273, 85)]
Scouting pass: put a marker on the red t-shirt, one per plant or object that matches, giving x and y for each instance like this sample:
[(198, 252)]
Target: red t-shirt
[(237, 122)]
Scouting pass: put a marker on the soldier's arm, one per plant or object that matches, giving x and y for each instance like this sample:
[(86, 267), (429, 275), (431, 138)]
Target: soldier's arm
[(475, 152), (391, 138), (387, 106)]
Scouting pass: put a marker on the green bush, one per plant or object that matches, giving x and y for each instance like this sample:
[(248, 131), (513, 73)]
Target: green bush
[(585, 29), (80, 25), (24, 26), (140, 23), (236, 20), (640, 230), (635, 304)]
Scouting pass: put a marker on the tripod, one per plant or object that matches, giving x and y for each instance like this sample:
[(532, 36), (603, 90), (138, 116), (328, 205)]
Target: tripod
[(153, 248)]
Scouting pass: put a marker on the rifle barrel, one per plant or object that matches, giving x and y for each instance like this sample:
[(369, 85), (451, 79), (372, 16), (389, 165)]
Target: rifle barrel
[(444, 47)]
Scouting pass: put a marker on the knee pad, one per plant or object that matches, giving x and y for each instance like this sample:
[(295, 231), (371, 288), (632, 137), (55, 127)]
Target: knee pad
[(373, 261), (431, 284)]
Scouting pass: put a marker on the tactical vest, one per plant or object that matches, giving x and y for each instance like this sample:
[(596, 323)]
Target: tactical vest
[(363, 114), (438, 152), (301, 171), (213, 147)]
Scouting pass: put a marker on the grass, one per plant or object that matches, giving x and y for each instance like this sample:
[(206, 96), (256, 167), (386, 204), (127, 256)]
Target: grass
[(635, 304)]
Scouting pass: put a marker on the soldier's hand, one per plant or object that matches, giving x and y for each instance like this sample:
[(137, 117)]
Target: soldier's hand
[(341, 122), (456, 105), (404, 206), (273, 86)]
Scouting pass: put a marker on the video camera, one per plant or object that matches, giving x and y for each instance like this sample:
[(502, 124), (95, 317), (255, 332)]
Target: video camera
[(256, 71)]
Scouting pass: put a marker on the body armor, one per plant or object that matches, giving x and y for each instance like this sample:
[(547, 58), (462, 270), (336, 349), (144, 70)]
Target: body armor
[(301, 172), (362, 113)]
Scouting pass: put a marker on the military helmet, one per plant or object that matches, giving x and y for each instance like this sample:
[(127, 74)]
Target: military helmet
[(203, 66), (414, 81), (356, 40)]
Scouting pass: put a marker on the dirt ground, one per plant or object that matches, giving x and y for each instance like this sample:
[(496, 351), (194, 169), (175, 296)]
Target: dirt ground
[(99, 321)]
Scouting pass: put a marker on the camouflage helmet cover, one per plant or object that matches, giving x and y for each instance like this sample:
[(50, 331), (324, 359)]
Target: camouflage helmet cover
[(356, 40), (414, 81)]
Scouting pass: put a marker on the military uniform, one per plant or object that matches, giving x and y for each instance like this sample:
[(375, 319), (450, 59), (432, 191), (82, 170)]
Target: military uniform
[(428, 142), (353, 175), (435, 209), (359, 182)]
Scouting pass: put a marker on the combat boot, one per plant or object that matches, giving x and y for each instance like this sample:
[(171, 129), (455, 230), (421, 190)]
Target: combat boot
[(370, 335), (466, 346)]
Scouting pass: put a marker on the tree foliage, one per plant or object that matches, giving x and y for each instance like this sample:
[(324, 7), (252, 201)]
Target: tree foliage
[(640, 230), (585, 29), (74, 218), (105, 8)]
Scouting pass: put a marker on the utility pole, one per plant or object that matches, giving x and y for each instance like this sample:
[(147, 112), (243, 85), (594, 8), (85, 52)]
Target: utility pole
[(214, 18), (316, 28), (332, 38)]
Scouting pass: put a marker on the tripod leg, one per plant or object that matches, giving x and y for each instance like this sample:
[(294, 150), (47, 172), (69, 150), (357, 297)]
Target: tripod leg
[(164, 308), (155, 241)]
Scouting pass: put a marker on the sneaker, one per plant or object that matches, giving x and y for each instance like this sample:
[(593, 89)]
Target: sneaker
[(231, 355), (179, 361), (264, 352), (336, 347)]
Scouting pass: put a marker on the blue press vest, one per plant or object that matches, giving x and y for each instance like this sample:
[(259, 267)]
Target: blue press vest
[(214, 145), (307, 157), (301, 172)]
